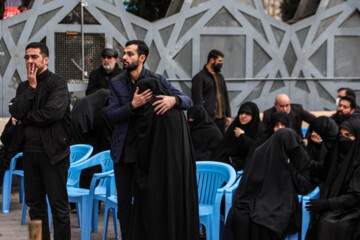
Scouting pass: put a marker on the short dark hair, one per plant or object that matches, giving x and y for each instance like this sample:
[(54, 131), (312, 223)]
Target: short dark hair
[(44, 50), (351, 100), (143, 49), (349, 92), (214, 54)]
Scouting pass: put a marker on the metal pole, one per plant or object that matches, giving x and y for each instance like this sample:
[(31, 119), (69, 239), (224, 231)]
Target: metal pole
[(83, 4)]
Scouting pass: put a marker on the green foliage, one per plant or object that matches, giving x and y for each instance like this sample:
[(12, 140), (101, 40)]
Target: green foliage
[(150, 10), (288, 9)]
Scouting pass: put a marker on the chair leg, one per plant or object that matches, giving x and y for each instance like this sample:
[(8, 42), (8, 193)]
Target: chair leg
[(21, 187), (78, 213), (106, 221), (6, 192), (23, 213), (86, 213), (95, 214), (115, 221)]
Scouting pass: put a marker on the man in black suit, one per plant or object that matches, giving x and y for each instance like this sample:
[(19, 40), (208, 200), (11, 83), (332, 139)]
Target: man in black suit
[(296, 113), (209, 90)]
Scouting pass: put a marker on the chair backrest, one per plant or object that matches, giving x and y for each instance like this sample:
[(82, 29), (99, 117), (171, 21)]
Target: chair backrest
[(212, 176), (101, 158), (80, 152)]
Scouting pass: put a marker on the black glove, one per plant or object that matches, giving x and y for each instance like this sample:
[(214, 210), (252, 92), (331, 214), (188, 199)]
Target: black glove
[(317, 205)]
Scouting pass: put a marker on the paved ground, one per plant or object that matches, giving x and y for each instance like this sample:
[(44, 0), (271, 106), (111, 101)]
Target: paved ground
[(11, 229)]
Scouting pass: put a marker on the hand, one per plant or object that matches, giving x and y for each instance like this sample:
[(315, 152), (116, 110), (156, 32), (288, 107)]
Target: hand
[(141, 99), (228, 121), (315, 137), (164, 104), (31, 72), (317, 205), (238, 132), (13, 121)]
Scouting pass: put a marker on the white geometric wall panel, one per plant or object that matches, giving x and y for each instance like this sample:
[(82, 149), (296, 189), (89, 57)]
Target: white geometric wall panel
[(308, 60)]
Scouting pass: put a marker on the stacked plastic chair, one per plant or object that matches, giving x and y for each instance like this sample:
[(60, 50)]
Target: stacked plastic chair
[(213, 179), (110, 205), (85, 197)]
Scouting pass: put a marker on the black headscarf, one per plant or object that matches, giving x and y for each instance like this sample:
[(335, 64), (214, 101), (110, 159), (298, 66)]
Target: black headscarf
[(269, 186), (205, 134), (239, 148), (328, 131), (166, 198)]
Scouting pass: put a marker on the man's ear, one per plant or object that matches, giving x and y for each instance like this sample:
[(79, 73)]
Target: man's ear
[(352, 111), (46, 60), (142, 58)]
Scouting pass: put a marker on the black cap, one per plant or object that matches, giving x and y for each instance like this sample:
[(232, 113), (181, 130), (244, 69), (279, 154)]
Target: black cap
[(109, 52)]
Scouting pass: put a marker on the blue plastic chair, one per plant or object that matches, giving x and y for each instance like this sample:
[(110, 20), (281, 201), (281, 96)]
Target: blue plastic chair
[(305, 215), (110, 205), (84, 197), (80, 152), (229, 193), (7, 182), (213, 179)]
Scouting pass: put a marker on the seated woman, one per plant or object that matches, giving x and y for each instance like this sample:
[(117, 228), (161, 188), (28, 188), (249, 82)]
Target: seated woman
[(205, 134), (266, 204), (240, 137), (278, 120), (336, 215)]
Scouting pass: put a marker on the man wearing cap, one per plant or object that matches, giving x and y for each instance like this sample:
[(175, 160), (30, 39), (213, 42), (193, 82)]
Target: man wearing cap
[(101, 77)]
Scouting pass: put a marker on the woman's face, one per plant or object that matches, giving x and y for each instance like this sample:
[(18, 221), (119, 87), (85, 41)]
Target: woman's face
[(245, 118), (278, 125), (347, 134)]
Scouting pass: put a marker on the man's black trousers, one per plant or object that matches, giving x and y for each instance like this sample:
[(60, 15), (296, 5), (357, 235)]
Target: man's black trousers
[(41, 178)]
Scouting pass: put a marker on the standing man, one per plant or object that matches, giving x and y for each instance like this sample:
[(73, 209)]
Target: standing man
[(42, 108), (345, 109), (101, 77), (123, 103), (296, 113), (209, 90)]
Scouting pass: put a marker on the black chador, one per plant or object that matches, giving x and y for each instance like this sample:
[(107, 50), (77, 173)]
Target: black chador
[(234, 150), (266, 204), (166, 198), (205, 134), (336, 215)]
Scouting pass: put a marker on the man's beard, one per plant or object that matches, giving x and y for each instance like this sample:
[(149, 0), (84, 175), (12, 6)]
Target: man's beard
[(340, 118), (132, 66), (109, 66), (217, 67)]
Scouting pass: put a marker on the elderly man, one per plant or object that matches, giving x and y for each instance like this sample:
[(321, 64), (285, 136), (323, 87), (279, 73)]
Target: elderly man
[(296, 113), (101, 77)]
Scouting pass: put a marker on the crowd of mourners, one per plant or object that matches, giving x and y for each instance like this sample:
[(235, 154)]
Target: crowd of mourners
[(279, 163), (139, 116)]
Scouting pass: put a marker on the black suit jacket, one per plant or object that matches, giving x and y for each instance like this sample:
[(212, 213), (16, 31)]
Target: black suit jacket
[(297, 115)]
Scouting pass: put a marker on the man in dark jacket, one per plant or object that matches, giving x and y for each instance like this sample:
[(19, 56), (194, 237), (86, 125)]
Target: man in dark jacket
[(42, 107), (209, 90), (101, 77), (296, 113), (123, 103)]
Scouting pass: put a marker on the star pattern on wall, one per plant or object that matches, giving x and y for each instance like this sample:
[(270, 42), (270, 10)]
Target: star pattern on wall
[(267, 56)]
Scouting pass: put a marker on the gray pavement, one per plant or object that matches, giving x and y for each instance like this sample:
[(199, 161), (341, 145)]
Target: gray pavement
[(11, 229)]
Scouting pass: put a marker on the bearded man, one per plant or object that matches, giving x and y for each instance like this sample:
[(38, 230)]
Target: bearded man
[(345, 109), (101, 77), (209, 90)]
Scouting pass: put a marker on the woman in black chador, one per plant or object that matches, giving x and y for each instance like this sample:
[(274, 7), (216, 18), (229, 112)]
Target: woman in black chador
[(166, 198), (336, 215), (205, 134), (266, 204), (239, 139)]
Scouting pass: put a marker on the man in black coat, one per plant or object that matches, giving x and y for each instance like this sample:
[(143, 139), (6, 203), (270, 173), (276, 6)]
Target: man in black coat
[(209, 90), (296, 113), (42, 107), (101, 77)]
